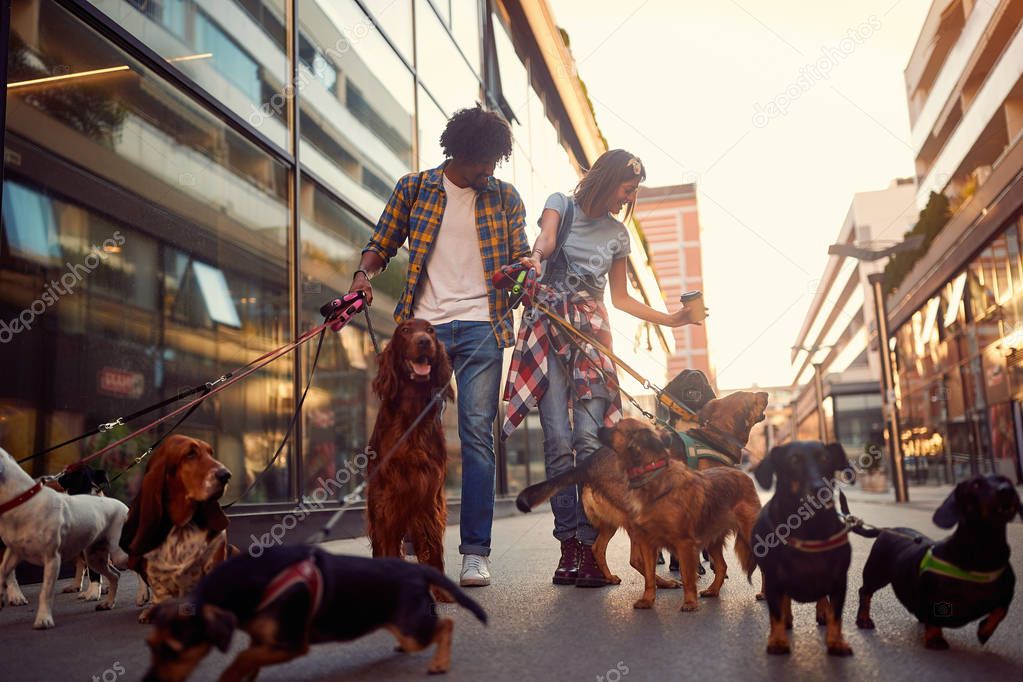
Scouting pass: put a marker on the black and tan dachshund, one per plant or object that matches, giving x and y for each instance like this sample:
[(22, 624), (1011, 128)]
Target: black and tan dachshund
[(800, 544), (292, 596), (950, 583)]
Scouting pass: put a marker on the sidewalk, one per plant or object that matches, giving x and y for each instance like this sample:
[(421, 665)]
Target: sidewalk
[(541, 632)]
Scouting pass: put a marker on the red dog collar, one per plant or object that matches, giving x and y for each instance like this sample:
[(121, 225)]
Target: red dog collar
[(305, 573), (837, 540), (22, 498), (647, 468)]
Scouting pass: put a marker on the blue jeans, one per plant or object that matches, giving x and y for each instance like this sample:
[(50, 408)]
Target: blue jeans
[(561, 438), (476, 358)]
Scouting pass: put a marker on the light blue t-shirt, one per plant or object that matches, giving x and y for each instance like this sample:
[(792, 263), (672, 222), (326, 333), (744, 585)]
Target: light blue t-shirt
[(593, 243)]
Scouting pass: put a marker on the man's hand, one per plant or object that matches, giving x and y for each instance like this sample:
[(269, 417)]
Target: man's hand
[(361, 283)]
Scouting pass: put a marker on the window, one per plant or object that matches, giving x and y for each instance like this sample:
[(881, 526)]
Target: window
[(29, 224)]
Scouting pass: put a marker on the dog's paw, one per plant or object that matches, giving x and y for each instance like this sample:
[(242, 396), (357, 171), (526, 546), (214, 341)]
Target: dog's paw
[(761, 596), (43, 622), (668, 583), (613, 580), (105, 605), (709, 593), (91, 594), (865, 623), (778, 648), (437, 669), (643, 604), (936, 643), (690, 606), (840, 648), (16, 598), (146, 616), (73, 587)]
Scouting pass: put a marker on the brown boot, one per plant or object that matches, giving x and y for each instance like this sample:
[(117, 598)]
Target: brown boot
[(589, 574), (568, 567)]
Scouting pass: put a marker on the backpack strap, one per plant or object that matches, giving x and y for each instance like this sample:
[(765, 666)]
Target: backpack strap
[(564, 228)]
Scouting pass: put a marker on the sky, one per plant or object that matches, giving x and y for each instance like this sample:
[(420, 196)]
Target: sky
[(779, 110)]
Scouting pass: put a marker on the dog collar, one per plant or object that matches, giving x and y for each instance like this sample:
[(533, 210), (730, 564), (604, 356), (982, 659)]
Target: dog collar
[(640, 476), (933, 564), (837, 540), (22, 498), (305, 573)]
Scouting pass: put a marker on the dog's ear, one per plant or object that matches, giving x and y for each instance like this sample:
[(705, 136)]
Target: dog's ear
[(442, 371), (840, 463), (606, 436), (762, 401), (664, 435), (146, 512), (220, 626), (209, 515), (100, 479), (706, 414), (385, 384), (949, 513), (764, 473)]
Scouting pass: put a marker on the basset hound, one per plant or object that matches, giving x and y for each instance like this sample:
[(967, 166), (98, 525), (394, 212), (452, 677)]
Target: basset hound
[(176, 531)]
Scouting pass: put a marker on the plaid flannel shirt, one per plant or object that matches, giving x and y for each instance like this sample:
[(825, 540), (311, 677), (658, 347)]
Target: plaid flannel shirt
[(540, 336), (414, 212)]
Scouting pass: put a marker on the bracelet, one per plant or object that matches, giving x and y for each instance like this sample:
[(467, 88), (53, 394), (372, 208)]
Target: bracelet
[(538, 254), (366, 274)]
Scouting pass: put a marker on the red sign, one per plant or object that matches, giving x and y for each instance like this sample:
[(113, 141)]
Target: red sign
[(121, 383)]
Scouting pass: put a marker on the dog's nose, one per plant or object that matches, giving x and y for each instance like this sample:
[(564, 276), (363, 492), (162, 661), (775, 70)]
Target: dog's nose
[(223, 475), (423, 342)]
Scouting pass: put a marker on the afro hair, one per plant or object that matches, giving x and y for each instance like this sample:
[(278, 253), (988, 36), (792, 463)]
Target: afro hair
[(477, 135)]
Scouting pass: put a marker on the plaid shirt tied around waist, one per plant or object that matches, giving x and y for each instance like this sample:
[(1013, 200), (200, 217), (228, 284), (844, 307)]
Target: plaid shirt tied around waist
[(539, 336), (414, 212)]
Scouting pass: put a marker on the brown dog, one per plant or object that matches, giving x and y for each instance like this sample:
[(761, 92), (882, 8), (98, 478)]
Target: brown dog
[(176, 531), (669, 505), (405, 494), (604, 487)]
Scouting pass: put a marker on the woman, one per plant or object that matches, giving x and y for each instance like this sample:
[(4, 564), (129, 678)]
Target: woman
[(562, 372)]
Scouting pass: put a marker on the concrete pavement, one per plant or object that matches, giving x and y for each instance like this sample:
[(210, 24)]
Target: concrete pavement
[(541, 632)]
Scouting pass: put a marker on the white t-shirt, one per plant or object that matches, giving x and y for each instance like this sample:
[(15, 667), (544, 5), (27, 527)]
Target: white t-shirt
[(452, 285)]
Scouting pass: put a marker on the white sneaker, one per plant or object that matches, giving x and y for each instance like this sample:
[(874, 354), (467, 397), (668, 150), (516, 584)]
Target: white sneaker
[(475, 571)]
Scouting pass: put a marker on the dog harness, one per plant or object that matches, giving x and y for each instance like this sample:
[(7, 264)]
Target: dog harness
[(306, 573), (22, 498), (696, 449), (932, 564)]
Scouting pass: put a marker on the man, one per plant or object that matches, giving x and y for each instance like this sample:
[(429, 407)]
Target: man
[(462, 225)]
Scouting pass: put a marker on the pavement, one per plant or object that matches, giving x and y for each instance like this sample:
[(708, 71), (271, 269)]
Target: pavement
[(539, 631)]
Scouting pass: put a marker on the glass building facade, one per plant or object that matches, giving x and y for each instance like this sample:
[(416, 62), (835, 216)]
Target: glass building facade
[(960, 370), (175, 205)]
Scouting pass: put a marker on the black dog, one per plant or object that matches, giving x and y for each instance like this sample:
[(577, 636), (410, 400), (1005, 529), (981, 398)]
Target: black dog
[(956, 581), (799, 543), (293, 596)]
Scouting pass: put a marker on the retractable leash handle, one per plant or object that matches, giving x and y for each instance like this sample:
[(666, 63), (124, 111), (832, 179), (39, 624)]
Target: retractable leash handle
[(340, 311)]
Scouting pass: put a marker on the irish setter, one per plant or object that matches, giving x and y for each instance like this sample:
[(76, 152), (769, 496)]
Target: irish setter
[(405, 492)]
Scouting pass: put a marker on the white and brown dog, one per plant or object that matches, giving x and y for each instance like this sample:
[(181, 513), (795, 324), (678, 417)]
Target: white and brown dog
[(176, 531), (44, 527)]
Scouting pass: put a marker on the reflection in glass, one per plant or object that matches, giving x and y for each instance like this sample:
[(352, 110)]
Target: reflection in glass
[(356, 104), (441, 68), (234, 49), (167, 234)]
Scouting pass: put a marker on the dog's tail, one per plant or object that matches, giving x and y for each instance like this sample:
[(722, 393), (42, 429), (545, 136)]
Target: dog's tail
[(539, 493), (744, 551), (435, 577)]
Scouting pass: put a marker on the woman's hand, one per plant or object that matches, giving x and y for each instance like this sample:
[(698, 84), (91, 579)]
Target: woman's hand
[(690, 313), (531, 262)]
